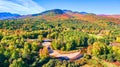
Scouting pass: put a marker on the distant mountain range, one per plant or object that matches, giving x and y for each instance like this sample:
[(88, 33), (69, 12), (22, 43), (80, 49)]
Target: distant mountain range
[(58, 13), (7, 15), (113, 16)]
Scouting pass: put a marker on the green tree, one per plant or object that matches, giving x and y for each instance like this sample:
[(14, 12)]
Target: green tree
[(35, 46), (40, 37), (15, 54), (18, 63)]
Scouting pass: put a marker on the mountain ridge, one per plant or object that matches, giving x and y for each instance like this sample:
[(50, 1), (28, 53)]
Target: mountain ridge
[(7, 15), (61, 14)]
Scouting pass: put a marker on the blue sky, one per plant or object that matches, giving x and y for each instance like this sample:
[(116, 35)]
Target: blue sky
[(37, 6)]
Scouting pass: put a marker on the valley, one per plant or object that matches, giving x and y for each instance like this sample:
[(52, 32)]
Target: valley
[(60, 38)]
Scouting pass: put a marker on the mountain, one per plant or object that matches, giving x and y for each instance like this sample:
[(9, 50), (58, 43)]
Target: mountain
[(111, 16), (50, 12), (67, 11), (58, 14), (6, 15), (54, 12), (84, 13)]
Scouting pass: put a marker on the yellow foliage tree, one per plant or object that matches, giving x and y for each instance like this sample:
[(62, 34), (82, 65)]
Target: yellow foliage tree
[(117, 39), (44, 53)]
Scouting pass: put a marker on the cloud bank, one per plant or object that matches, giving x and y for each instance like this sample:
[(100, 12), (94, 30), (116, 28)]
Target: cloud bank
[(20, 6)]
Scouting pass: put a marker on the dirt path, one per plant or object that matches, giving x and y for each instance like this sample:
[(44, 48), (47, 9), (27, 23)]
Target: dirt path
[(57, 54), (70, 56)]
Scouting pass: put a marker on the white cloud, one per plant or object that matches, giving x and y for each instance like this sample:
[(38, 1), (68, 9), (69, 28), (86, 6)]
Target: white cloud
[(20, 6)]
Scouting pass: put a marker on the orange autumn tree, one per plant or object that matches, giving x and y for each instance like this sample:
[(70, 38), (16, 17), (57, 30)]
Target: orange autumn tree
[(44, 53)]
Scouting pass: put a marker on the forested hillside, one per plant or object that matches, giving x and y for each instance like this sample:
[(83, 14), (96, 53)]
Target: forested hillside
[(97, 37)]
